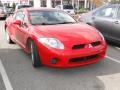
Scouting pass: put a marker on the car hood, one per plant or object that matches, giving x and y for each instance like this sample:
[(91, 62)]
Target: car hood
[(70, 33)]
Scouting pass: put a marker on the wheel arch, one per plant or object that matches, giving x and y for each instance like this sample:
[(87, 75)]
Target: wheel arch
[(89, 24), (37, 61), (29, 39), (5, 25)]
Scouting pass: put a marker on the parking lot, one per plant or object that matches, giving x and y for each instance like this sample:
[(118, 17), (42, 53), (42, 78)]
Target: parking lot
[(17, 72)]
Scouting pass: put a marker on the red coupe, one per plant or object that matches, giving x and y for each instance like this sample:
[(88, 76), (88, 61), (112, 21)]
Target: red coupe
[(53, 38)]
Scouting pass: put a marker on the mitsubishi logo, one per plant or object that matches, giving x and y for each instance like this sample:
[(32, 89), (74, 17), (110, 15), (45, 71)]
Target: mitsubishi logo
[(90, 46)]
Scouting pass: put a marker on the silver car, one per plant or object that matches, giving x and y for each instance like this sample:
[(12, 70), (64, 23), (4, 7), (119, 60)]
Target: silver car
[(106, 19)]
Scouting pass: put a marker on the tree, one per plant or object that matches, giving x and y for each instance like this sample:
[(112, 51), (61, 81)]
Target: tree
[(115, 1)]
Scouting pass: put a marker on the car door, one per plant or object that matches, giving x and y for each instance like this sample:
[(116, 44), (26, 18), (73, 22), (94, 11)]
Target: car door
[(12, 27), (103, 20), (22, 30), (116, 25), (16, 27)]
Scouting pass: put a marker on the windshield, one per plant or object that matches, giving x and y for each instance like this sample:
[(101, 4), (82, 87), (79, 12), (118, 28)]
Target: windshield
[(24, 6), (67, 7), (51, 17)]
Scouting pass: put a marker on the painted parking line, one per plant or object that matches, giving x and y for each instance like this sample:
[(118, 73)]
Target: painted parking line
[(6, 80), (112, 59)]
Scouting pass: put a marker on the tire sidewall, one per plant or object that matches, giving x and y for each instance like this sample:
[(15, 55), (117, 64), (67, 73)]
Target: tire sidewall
[(36, 62)]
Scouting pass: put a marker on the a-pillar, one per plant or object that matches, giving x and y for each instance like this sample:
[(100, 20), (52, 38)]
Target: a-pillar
[(49, 3), (37, 3)]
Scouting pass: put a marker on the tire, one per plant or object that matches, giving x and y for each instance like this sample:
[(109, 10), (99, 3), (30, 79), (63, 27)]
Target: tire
[(36, 62), (8, 37)]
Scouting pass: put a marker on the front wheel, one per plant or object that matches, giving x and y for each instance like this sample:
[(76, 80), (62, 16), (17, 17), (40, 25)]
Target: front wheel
[(35, 55)]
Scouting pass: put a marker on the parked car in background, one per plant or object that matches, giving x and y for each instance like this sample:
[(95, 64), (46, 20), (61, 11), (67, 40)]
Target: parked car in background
[(19, 6), (9, 11), (67, 8), (2, 12), (106, 19), (54, 38)]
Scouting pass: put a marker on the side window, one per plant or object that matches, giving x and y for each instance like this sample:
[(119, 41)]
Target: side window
[(19, 16), (107, 12), (118, 13)]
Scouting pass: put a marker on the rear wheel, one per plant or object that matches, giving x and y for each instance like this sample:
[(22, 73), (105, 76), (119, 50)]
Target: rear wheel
[(8, 37), (35, 55)]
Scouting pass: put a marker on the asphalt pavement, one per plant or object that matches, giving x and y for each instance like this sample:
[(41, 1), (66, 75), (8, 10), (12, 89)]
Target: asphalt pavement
[(17, 72)]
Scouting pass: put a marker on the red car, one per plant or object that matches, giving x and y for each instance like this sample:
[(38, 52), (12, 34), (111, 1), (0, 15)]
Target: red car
[(53, 38)]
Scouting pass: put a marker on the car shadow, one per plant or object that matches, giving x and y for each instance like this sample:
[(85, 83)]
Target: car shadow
[(2, 19), (79, 78)]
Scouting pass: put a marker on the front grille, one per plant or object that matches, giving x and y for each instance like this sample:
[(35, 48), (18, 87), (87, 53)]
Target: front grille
[(78, 46), (97, 43), (81, 59)]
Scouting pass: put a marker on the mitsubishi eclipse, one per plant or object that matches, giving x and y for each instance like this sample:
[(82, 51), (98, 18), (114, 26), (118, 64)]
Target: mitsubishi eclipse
[(53, 38)]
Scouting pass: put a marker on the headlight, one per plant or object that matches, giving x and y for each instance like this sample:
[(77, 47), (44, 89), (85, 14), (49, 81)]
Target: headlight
[(52, 42)]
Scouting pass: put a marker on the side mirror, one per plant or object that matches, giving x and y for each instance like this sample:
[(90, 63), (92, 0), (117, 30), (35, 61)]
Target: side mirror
[(18, 22), (25, 24)]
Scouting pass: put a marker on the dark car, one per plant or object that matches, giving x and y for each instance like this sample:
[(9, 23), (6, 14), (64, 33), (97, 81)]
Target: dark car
[(9, 11), (106, 19)]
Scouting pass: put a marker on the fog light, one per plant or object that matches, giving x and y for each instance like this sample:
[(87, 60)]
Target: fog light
[(54, 61)]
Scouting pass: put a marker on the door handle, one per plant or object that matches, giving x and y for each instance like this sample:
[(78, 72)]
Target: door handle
[(117, 22)]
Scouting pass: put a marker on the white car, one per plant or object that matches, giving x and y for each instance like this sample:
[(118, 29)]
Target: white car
[(67, 8), (19, 6)]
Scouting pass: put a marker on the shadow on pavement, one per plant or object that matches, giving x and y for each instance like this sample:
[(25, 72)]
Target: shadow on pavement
[(19, 68)]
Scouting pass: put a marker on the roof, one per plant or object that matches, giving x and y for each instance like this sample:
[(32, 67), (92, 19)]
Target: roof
[(40, 8)]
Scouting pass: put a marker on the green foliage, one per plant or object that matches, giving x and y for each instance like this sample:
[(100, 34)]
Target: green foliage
[(115, 1), (14, 6), (81, 10)]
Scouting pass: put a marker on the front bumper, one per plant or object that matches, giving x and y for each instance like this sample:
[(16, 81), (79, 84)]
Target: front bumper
[(71, 58)]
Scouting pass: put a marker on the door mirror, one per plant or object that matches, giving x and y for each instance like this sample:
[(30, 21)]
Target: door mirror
[(25, 24), (18, 22)]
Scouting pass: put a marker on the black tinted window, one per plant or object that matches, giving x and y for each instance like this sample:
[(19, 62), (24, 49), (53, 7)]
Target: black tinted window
[(67, 7), (24, 6)]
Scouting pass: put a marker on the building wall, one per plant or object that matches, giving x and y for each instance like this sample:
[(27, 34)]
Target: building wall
[(97, 3)]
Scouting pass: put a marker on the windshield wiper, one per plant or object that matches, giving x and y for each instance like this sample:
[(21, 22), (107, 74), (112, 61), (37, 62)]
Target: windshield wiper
[(42, 24), (65, 22), (52, 23), (46, 24)]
